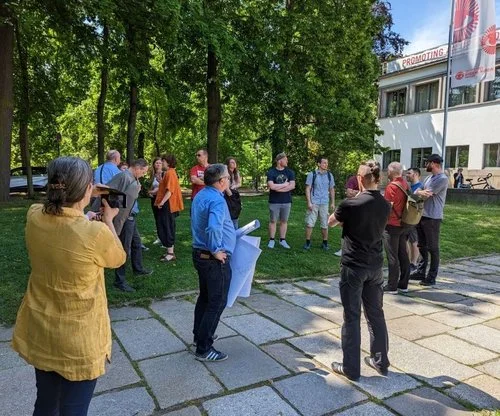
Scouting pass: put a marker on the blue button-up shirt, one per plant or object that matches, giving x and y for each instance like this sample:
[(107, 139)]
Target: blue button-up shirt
[(211, 223), (108, 170), (320, 192)]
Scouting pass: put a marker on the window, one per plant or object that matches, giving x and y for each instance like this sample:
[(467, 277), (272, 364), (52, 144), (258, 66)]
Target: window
[(492, 155), (418, 156), (396, 103), (391, 156), (457, 157), (462, 95), (426, 96), (492, 88)]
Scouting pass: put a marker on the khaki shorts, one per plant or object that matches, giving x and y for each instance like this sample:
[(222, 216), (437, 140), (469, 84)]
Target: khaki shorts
[(279, 211), (312, 216)]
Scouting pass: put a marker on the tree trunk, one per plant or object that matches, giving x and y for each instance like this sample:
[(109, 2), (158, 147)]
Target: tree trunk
[(101, 127), (6, 98), (140, 145), (155, 129), (214, 106), (132, 118), (24, 109)]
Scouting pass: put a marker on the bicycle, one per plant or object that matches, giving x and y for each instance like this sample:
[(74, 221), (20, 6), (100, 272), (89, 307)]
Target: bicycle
[(484, 182)]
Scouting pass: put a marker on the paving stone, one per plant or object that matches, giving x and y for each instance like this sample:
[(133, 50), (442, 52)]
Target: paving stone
[(412, 305), (119, 373), (459, 350), (146, 338), (438, 296), (474, 269), (455, 319), (465, 289), (415, 327), (17, 391), (128, 313), (322, 347), (316, 394), (494, 260), (494, 323), (482, 391), (262, 401), (369, 408), (481, 335), (178, 378), (477, 308), (130, 402), (9, 358), (236, 309), (246, 364), (187, 411), (489, 297), (325, 308), (329, 290), (481, 265), (263, 301), (292, 359), (283, 289), (492, 368), (425, 401), (394, 312), (474, 281), (6, 333), (257, 329)]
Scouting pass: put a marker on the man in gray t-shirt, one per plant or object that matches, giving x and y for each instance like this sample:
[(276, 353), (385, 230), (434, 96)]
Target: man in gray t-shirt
[(434, 193)]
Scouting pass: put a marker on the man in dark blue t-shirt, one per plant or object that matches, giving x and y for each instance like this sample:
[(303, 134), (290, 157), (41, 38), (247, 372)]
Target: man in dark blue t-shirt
[(281, 182)]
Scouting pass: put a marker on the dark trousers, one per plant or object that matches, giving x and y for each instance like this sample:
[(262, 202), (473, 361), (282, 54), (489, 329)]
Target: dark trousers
[(363, 285), (57, 396), (214, 278), (131, 242), (428, 243), (155, 210), (166, 225), (395, 239)]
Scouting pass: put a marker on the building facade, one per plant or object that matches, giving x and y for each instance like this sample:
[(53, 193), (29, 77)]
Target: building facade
[(411, 116)]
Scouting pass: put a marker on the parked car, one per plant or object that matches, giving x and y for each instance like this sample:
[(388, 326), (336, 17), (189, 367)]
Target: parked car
[(19, 183)]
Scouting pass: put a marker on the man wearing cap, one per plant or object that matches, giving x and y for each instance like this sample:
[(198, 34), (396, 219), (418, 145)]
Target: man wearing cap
[(434, 194), (281, 182)]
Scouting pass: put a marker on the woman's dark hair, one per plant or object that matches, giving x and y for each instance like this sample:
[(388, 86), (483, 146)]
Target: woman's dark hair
[(235, 174), (68, 179), (171, 160), (373, 173)]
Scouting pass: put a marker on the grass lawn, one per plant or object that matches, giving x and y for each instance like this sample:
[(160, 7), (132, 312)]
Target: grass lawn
[(468, 230)]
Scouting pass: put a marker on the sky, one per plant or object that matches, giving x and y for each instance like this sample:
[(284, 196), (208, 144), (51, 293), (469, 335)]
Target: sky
[(425, 23)]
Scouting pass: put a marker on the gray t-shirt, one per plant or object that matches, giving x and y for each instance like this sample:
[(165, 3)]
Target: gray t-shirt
[(434, 206), (320, 192)]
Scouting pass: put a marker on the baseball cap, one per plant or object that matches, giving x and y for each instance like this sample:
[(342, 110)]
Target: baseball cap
[(280, 156), (434, 158)]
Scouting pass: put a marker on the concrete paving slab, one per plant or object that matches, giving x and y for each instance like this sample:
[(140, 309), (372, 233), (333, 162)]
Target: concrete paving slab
[(426, 365), (481, 265), (119, 373), (459, 350), (6, 333), (187, 411), (477, 308), (325, 308), (476, 269), (128, 313), (492, 368), (426, 401), (9, 358), (236, 309), (416, 327), (469, 290), (246, 364), (476, 281), (412, 305), (482, 391), (284, 289), (329, 290), (365, 409), (394, 312), (17, 391), (292, 359), (178, 378), (146, 338), (494, 323), (130, 402), (455, 319), (438, 296), (322, 347), (489, 297), (257, 329), (315, 394), (262, 401), (494, 260), (481, 335), (263, 301)]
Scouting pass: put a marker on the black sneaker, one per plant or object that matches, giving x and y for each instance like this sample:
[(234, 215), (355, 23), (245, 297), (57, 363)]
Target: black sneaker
[(370, 363), (211, 355), (428, 282), (339, 369), (124, 287), (390, 291), (143, 272), (195, 341), (417, 276)]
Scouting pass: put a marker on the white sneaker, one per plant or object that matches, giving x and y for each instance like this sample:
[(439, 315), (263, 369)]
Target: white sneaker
[(284, 244), (157, 241), (338, 253), (270, 244)]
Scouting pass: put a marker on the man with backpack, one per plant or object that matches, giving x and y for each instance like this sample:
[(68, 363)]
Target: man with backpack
[(396, 232), (320, 195)]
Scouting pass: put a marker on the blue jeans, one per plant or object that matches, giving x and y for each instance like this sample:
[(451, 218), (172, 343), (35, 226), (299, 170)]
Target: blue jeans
[(363, 285), (214, 278), (57, 396)]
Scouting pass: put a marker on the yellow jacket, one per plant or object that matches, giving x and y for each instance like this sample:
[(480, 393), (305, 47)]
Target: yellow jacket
[(63, 322)]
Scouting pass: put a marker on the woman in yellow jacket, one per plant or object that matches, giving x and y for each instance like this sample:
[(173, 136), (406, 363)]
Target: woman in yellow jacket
[(63, 327)]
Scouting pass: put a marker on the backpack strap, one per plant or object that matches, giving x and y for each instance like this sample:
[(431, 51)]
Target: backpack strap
[(406, 195), (314, 180)]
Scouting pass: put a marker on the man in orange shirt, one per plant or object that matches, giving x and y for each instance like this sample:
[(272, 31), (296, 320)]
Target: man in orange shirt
[(396, 233), (197, 172)]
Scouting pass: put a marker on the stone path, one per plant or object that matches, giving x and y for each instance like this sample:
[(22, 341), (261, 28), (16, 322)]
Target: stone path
[(444, 350)]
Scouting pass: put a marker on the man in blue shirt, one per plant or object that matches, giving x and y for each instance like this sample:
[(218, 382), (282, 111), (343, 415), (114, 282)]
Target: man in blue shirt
[(214, 239), (105, 172)]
